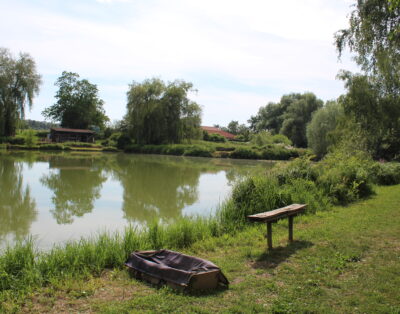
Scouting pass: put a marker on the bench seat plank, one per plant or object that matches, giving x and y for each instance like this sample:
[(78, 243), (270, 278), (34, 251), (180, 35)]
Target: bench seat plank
[(276, 214)]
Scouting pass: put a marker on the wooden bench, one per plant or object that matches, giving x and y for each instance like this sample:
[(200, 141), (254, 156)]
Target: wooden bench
[(274, 215)]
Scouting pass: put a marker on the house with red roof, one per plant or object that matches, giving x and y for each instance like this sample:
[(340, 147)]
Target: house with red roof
[(214, 130)]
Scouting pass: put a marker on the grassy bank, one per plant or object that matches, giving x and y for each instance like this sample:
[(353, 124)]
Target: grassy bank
[(84, 147), (221, 150), (342, 261), (195, 149)]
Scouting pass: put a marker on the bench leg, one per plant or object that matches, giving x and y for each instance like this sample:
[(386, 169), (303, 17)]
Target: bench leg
[(290, 228), (269, 235)]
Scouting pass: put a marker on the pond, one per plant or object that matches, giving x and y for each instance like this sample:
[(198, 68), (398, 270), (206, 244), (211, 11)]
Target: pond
[(56, 197)]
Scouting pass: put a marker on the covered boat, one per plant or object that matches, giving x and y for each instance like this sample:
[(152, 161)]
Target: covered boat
[(175, 269)]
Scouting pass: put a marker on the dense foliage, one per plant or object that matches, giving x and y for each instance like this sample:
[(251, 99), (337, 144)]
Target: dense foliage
[(19, 83), (374, 37), (320, 131), (78, 105), (161, 112), (36, 125), (289, 117), (372, 101)]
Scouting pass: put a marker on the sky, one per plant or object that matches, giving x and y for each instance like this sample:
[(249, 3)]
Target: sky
[(239, 55)]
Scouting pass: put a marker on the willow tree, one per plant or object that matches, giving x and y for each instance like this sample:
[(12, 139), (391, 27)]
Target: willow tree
[(160, 113), (373, 98), (19, 83)]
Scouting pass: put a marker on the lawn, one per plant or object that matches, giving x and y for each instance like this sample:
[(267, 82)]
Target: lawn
[(344, 260)]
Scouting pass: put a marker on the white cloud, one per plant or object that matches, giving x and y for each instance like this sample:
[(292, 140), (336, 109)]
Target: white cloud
[(279, 45)]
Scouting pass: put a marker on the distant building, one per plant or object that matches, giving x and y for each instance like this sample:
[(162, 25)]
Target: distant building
[(213, 130), (59, 135)]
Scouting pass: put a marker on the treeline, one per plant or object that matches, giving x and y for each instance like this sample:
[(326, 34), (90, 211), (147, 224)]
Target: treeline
[(366, 117), (37, 125)]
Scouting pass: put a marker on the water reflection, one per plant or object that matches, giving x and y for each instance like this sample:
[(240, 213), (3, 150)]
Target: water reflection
[(79, 193), (76, 184), (17, 207), (156, 187)]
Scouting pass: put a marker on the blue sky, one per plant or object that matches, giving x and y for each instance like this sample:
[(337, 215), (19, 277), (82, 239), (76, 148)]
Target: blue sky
[(239, 55)]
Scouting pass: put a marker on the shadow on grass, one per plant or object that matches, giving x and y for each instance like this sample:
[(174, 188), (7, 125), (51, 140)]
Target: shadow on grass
[(272, 258)]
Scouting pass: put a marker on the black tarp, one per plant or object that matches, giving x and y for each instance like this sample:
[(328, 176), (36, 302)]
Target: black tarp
[(172, 266)]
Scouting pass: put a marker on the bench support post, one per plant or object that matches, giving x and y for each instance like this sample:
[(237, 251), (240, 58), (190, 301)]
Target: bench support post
[(290, 228), (269, 235)]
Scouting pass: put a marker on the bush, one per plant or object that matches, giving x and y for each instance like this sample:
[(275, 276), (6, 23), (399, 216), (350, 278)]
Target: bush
[(281, 139), (346, 178), (244, 153), (301, 168), (198, 151), (214, 137), (51, 147), (17, 140), (387, 173), (176, 150), (42, 134), (109, 149), (123, 140), (277, 152)]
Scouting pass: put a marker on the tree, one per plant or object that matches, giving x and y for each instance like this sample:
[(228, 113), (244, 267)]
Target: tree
[(162, 113), (374, 36), (78, 105), (288, 117), (19, 83), (233, 127), (372, 101), (323, 123), (376, 114)]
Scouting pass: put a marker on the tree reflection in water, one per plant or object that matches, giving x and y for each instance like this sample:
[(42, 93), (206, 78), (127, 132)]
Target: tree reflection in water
[(17, 208), (76, 183), (156, 187)]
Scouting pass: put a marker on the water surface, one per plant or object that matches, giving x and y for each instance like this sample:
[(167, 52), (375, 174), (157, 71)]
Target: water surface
[(58, 197)]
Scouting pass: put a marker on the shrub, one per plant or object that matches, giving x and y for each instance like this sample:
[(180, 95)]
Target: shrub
[(17, 140), (51, 147), (277, 152), (176, 150), (244, 153), (301, 168), (109, 149), (346, 178), (123, 140), (214, 137), (387, 173), (282, 139), (42, 134), (198, 151)]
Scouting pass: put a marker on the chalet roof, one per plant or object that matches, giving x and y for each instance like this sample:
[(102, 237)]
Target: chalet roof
[(214, 130), (72, 130)]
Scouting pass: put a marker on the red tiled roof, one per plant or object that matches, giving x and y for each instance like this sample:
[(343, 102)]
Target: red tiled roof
[(72, 130), (213, 130)]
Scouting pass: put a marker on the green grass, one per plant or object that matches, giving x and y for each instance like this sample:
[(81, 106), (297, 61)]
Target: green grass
[(345, 260), (220, 150)]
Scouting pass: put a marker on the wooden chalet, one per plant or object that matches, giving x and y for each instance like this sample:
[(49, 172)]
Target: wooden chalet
[(213, 130), (59, 135)]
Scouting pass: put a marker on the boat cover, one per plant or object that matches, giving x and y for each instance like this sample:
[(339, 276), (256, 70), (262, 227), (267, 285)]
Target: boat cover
[(171, 266)]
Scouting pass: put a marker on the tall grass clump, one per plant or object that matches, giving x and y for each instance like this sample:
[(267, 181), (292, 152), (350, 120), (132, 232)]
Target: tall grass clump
[(346, 177), (387, 173)]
